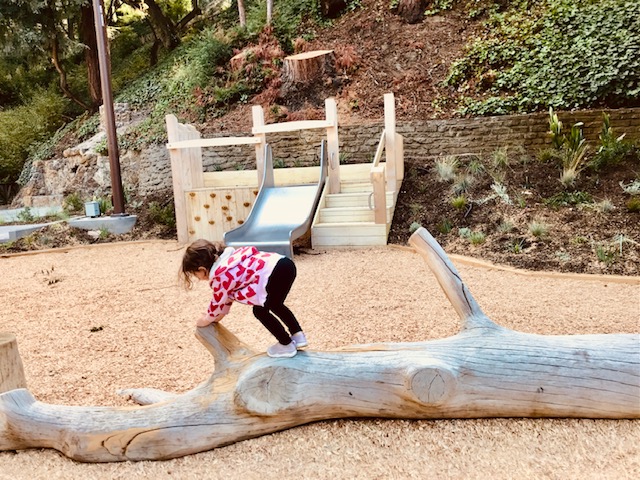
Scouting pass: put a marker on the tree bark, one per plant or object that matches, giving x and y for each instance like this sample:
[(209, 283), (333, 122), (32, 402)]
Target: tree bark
[(484, 371)]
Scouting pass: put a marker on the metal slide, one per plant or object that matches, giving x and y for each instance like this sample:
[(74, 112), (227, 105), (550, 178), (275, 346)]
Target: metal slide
[(279, 214)]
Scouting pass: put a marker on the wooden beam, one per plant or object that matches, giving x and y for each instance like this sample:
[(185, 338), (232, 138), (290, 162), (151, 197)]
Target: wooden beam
[(291, 126), (11, 370), (213, 142)]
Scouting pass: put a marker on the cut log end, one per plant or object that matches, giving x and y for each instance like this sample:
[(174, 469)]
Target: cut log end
[(308, 66)]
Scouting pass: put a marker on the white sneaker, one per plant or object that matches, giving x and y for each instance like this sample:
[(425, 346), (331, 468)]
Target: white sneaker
[(299, 339), (282, 351)]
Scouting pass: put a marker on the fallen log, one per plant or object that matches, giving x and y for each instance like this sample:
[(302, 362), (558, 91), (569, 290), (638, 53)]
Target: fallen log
[(483, 371)]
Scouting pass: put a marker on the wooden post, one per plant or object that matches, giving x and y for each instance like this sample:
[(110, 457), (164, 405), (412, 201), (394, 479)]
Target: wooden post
[(379, 195), (11, 371), (390, 141), (333, 146), (258, 121), (186, 170)]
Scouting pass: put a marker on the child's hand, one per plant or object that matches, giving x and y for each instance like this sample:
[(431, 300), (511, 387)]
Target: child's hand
[(204, 320), (207, 319)]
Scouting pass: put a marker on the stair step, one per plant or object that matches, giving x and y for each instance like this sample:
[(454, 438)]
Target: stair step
[(355, 187), (353, 199), (349, 215), (349, 234)]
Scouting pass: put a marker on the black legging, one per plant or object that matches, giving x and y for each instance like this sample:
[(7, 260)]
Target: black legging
[(278, 288)]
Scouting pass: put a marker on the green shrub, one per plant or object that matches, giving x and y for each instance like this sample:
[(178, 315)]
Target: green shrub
[(563, 53), (23, 126), (73, 203), (414, 227), (445, 226), (538, 229), (633, 205), (163, 215), (565, 199), (459, 202), (477, 238), (446, 168), (613, 150)]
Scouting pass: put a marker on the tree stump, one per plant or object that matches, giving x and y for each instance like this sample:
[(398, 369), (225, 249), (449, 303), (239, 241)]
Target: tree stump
[(307, 67), (11, 371)]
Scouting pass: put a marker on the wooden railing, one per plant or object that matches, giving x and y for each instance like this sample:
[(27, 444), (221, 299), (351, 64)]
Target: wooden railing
[(388, 177)]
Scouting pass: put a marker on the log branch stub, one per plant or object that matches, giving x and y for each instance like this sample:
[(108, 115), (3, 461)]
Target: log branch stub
[(11, 369), (450, 281), (224, 346)]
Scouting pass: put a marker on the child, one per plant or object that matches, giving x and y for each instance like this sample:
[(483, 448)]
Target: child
[(248, 276)]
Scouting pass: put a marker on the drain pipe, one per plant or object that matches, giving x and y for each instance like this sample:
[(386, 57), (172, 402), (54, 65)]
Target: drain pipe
[(107, 101)]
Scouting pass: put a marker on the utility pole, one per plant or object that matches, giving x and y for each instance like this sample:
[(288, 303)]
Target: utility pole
[(107, 101)]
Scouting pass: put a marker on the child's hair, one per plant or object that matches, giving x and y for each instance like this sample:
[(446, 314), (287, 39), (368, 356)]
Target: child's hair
[(201, 253)]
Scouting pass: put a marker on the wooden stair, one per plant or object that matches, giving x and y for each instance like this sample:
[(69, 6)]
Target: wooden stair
[(347, 218)]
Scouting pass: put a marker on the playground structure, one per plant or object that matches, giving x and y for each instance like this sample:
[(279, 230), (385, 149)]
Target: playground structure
[(485, 370), (354, 206)]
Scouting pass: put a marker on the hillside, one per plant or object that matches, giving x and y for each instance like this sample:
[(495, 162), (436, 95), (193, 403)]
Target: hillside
[(535, 223), (377, 53)]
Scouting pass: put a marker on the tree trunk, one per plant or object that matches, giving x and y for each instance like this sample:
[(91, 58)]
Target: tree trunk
[(484, 371), (412, 11), (11, 371), (242, 13), (332, 8), (269, 11), (88, 38), (64, 86), (307, 67), (162, 26)]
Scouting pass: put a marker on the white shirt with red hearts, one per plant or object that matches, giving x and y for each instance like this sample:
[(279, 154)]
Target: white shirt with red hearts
[(240, 275)]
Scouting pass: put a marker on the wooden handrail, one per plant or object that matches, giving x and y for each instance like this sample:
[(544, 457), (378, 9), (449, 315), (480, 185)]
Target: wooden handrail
[(379, 150), (378, 182)]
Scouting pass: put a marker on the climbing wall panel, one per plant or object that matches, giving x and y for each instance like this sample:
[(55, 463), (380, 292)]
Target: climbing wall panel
[(213, 211)]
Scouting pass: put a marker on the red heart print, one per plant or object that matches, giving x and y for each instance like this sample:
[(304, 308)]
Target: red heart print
[(250, 292), (240, 296), (219, 271), (217, 297), (227, 283), (260, 264), (241, 270)]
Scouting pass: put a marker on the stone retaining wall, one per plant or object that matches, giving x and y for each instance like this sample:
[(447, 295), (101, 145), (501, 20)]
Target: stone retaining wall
[(144, 173)]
